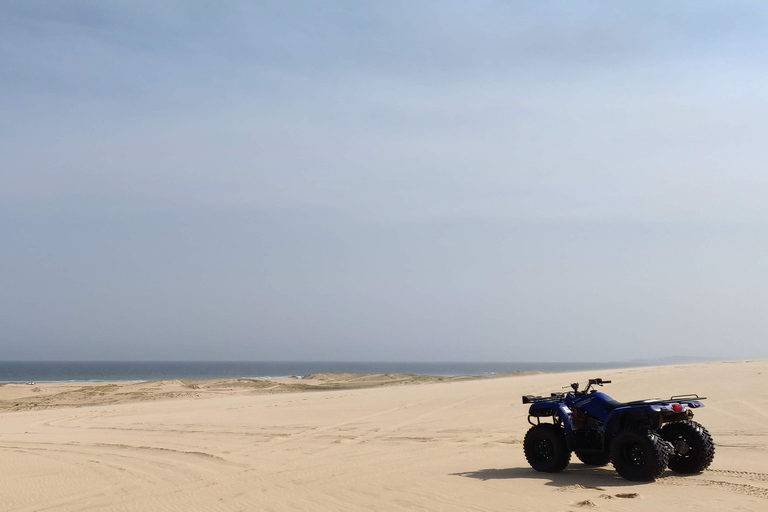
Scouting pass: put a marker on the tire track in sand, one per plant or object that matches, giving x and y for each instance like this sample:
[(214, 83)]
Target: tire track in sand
[(737, 488)]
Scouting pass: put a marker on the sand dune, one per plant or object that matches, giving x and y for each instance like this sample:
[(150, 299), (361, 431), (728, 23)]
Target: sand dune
[(453, 446), (21, 397)]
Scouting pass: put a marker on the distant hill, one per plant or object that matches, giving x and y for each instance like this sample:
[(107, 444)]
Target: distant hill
[(673, 360)]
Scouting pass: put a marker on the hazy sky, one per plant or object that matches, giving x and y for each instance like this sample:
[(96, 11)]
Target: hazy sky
[(367, 180)]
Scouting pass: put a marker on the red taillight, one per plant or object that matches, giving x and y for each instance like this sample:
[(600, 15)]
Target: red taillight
[(677, 407)]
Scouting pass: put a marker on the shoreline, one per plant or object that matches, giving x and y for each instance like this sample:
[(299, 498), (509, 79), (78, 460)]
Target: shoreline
[(53, 372)]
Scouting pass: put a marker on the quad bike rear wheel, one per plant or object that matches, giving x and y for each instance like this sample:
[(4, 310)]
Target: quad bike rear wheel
[(546, 449), (692, 444), (639, 454)]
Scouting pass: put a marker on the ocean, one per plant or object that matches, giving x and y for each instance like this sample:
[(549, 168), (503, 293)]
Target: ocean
[(94, 371)]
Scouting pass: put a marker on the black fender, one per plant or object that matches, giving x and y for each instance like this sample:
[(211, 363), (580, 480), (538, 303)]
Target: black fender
[(626, 417), (558, 411)]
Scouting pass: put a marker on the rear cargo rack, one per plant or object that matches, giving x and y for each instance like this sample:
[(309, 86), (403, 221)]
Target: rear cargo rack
[(530, 399), (688, 396)]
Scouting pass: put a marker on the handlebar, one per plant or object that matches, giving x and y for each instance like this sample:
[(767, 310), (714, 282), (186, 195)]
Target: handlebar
[(590, 383), (529, 399)]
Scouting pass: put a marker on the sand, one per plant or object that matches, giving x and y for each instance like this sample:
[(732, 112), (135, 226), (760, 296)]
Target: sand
[(326, 444)]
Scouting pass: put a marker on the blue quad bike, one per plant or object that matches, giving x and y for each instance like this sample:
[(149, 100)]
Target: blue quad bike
[(641, 438)]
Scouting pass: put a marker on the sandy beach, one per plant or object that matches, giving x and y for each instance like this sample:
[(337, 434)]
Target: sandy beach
[(352, 442)]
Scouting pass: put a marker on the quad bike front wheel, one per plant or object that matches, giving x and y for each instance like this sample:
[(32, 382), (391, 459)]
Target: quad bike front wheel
[(545, 448), (693, 447), (639, 454)]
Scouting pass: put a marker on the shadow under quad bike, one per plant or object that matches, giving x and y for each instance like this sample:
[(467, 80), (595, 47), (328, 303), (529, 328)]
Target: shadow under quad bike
[(641, 438)]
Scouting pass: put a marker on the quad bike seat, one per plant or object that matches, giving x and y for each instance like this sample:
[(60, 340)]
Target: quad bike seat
[(614, 404)]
